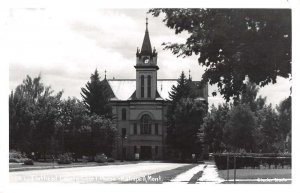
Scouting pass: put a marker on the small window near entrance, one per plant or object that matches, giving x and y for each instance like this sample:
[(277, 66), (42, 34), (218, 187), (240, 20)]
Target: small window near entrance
[(134, 149), (156, 150), (156, 128), (135, 129)]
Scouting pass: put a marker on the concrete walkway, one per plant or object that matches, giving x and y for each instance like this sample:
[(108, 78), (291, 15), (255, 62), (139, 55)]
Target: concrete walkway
[(200, 174), (188, 175), (210, 175)]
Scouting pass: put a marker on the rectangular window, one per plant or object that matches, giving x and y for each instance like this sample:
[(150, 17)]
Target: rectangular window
[(123, 132), (149, 87), (156, 128), (135, 129), (134, 149), (123, 114), (142, 86)]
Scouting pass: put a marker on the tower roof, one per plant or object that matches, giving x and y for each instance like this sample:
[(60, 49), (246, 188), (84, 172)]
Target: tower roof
[(146, 46)]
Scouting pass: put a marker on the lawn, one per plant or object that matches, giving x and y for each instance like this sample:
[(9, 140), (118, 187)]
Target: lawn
[(266, 175)]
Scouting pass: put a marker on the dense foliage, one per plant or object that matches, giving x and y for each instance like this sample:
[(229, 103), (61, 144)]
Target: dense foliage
[(44, 124), (233, 44), (184, 117), (249, 126)]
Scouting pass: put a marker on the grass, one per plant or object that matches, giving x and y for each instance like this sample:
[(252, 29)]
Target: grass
[(257, 173)]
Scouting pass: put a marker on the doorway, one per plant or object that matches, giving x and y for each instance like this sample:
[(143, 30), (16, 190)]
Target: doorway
[(146, 153)]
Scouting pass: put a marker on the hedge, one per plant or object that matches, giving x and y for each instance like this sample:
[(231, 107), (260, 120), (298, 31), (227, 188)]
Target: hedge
[(252, 160)]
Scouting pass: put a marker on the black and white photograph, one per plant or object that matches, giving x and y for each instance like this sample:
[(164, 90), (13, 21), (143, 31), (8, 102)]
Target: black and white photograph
[(174, 95)]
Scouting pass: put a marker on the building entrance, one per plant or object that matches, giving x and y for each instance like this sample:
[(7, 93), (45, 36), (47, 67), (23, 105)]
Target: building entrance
[(146, 153)]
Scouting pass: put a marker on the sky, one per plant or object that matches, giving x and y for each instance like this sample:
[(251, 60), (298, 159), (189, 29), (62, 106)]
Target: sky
[(65, 47)]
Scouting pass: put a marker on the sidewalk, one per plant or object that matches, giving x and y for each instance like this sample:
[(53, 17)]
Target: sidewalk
[(200, 174), (210, 175)]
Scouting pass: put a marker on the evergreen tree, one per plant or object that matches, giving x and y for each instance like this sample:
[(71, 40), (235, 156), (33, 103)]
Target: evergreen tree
[(183, 89), (184, 116), (96, 96), (188, 116)]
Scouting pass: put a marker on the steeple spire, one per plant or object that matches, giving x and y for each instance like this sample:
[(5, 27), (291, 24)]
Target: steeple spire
[(146, 46)]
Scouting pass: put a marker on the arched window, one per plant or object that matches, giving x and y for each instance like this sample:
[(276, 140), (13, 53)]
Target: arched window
[(123, 114), (149, 86), (142, 86), (146, 124)]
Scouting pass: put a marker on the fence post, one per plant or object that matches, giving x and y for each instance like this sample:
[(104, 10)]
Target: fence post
[(227, 167), (234, 163)]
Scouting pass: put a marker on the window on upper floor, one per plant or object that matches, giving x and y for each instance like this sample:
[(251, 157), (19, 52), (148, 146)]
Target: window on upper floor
[(123, 114), (142, 86), (149, 86)]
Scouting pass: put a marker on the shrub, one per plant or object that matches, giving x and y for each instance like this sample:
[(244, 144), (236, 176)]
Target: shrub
[(28, 162), (16, 156), (100, 158), (85, 159), (110, 160), (65, 158), (252, 160)]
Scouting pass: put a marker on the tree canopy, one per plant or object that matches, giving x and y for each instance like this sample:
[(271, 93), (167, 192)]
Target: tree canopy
[(249, 125), (33, 111), (233, 44), (41, 122)]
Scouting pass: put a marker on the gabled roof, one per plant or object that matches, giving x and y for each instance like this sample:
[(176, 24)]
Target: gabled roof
[(123, 89)]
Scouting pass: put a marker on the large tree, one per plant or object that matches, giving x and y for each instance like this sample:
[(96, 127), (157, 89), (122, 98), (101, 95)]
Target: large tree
[(213, 126), (285, 121), (233, 44), (96, 96), (33, 114), (238, 132), (184, 117), (188, 116), (72, 123), (83, 133), (267, 135)]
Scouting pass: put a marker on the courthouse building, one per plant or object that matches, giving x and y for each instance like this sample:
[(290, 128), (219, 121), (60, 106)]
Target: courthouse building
[(140, 106)]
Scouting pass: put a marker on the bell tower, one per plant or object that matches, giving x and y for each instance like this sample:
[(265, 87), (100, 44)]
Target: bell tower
[(146, 69)]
